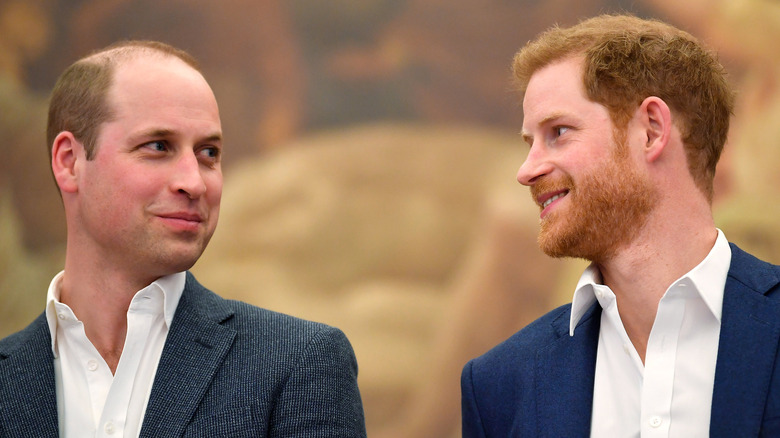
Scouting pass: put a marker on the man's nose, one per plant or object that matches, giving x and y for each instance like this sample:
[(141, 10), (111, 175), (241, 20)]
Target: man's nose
[(534, 166), (187, 177)]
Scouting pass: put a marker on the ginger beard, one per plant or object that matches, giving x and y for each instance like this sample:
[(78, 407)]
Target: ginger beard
[(607, 208)]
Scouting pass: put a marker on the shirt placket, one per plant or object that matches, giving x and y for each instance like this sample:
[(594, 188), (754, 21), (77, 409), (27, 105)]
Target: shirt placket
[(660, 359), (140, 319)]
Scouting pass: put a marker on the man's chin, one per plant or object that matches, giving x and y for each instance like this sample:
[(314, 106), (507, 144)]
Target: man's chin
[(553, 245), (178, 258), (576, 245), (568, 244), (556, 251), (555, 241)]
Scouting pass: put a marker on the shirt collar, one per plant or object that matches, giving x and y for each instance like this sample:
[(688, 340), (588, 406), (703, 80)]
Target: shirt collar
[(584, 295), (708, 278), (171, 286)]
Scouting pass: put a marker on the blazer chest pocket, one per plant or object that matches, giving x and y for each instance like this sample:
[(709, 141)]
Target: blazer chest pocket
[(230, 422)]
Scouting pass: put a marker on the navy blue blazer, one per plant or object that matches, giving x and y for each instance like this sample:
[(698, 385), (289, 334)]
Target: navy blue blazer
[(227, 369), (539, 382)]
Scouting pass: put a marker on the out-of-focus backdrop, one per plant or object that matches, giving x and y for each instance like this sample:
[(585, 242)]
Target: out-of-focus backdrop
[(369, 168)]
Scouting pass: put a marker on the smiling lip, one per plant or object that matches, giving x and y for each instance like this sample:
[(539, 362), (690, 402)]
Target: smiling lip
[(546, 200), (192, 217), (183, 221)]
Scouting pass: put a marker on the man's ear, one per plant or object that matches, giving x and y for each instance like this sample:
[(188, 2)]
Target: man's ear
[(66, 152), (656, 119)]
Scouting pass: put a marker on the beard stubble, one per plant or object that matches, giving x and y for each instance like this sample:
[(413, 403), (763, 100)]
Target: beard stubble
[(607, 209)]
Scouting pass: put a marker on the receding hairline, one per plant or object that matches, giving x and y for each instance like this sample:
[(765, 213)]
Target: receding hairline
[(128, 50)]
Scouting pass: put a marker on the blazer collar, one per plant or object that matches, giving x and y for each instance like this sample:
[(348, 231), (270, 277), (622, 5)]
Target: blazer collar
[(749, 335), (564, 375), (197, 344), (28, 405)]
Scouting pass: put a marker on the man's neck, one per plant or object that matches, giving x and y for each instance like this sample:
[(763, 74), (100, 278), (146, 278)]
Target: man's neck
[(100, 298), (640, 273)]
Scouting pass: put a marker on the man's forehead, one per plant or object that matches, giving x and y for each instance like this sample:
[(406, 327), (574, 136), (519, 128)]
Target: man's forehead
[(152, 71), (147, 90), (553, 87)]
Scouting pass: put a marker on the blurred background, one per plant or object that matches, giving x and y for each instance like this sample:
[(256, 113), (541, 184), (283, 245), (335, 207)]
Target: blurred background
[(371, 152)]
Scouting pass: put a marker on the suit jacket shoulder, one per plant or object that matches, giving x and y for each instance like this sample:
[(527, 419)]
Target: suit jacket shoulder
[(536, 383), (746, 395), (28, 400), (524, 345), (232, 369)]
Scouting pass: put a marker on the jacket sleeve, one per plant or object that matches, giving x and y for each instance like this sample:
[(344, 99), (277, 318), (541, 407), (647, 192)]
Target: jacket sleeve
[(321, 396)]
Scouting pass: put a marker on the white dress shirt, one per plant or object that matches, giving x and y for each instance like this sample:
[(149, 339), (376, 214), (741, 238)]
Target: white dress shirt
[(91, 402), (671, 394)]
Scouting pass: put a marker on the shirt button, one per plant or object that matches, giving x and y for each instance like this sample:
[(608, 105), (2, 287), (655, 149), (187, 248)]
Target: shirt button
[(626, 349), (92, 365), (61, 315), (655, 421), (109, 428), (600, 294)]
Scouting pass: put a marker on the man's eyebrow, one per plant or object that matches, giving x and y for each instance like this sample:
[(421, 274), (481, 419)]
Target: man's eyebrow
[(151, 134), (163, 133), (156, 133), (213, 138), (551, 118)]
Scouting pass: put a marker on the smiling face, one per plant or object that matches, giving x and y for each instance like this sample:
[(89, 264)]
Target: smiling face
[(149, 200), (592, 195)]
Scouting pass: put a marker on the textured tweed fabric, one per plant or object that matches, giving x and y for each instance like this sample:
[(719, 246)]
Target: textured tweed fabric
[(228, 369)]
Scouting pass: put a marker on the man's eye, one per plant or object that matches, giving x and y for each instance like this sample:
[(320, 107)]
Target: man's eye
[(210, 152), (560, 130), (158, 145)]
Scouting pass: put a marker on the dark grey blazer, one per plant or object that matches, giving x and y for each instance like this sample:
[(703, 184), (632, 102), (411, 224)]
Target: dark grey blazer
[(228, 369)]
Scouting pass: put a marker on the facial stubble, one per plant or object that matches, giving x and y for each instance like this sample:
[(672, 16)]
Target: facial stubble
[(607, 209)]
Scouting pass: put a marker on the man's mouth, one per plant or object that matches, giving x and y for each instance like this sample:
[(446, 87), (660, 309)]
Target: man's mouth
[(184, 216), (545, 201), (182, 220), (550, 200)]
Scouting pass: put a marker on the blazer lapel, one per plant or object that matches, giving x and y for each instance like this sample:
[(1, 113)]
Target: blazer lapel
[(565, 374), (28, 398), (196, 346), (749, 334)]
